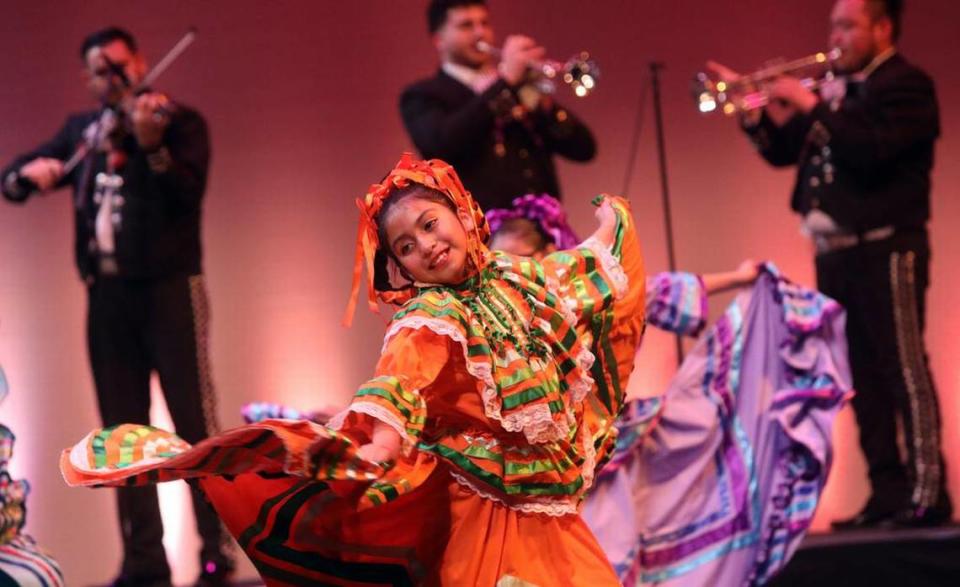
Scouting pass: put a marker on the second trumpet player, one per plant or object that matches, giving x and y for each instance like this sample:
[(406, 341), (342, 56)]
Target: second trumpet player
[(863, 147)]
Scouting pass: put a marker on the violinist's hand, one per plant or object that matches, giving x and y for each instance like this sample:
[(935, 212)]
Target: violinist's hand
[(43, 172), (151, 117), (518, 53)]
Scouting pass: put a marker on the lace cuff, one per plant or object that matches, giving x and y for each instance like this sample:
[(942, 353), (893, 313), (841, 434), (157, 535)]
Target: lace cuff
[(611, 265)]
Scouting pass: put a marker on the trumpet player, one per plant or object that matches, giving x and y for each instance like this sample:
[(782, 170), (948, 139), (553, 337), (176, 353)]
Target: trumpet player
[(483, 116), (864, 155), (137, 194)]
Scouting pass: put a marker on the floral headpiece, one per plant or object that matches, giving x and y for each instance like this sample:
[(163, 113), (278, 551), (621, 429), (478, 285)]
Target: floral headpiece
[(434, 174), (546, 211)]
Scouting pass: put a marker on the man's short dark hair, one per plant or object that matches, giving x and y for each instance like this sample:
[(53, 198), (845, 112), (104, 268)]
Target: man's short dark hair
[(892, 9), (107, 36), (437, 11)]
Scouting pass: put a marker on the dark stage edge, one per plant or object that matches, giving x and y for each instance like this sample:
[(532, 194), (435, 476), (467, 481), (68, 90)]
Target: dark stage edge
[(910, 557), (248, 582), (907, 558)]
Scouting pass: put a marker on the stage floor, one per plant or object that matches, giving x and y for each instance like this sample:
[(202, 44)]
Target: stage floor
[(877, 558), (914, 557)]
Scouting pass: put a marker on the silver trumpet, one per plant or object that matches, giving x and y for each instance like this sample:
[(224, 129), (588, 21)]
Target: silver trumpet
[(749, 92), (580, 72)]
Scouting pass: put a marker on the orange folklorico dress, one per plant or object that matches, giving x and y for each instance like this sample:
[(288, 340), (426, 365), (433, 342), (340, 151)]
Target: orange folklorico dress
[(505, 390)]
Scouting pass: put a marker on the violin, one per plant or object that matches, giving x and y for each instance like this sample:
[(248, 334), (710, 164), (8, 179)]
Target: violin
[(105, 132)]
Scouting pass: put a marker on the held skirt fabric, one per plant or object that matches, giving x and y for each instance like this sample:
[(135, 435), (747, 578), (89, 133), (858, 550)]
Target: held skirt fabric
[(716, 481)]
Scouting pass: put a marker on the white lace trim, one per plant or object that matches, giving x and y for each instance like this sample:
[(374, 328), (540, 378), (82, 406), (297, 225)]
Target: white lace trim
[(536, 422), (378, 412), (611, 265), (553, 508), (567, 304), (584, 358), (589, 458), (580, 388)]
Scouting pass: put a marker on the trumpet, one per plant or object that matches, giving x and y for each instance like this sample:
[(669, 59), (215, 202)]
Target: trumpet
[(749, 92), (580, 72)]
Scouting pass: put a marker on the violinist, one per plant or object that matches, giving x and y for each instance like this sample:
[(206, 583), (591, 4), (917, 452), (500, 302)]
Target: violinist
[(137, 166)]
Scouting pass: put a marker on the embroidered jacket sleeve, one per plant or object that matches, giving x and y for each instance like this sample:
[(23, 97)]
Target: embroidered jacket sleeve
[(565, 134), (605, 289), (677, 302), (896, 114), (177, 171), (60, 146), (779, 145), (588, 279), (442, 132)]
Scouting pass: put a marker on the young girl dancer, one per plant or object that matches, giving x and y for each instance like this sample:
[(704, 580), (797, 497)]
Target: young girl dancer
[(465, 459)]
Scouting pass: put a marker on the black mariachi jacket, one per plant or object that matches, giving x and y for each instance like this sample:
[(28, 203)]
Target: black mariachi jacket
[(867, 164), (447, 120), (159, 230)]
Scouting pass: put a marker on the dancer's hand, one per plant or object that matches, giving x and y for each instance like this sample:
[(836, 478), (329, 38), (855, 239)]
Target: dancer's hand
[(375, 453), (747, 271), (607, 217), (384, 447), (745, 274)]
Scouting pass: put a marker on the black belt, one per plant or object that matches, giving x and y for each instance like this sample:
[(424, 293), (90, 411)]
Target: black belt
[(107, 264), (827, 243)]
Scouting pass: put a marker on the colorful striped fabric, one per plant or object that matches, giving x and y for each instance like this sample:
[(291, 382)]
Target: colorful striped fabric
[(677, 302), (505, 391), (134, 454), (22, 562), (521, 340), (25, 564), (717, 481)]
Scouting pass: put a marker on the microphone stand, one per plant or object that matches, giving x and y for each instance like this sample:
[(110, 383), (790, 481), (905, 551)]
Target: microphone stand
[(655, 68)]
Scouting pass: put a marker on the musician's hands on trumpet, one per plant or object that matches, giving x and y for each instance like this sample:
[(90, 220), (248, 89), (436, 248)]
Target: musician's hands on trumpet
[(522, 59), (790, 91), (781, 94), (518, 55)]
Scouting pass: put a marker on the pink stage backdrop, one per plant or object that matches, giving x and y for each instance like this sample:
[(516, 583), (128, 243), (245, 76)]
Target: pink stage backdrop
[(301, 98)]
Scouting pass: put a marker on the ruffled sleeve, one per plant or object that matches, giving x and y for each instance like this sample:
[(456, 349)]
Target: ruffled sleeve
[(588, 279), (605, 288), (411, 360), (677, 302)]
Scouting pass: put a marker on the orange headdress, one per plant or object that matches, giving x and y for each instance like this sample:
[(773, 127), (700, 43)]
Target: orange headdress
[(434, 174)]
